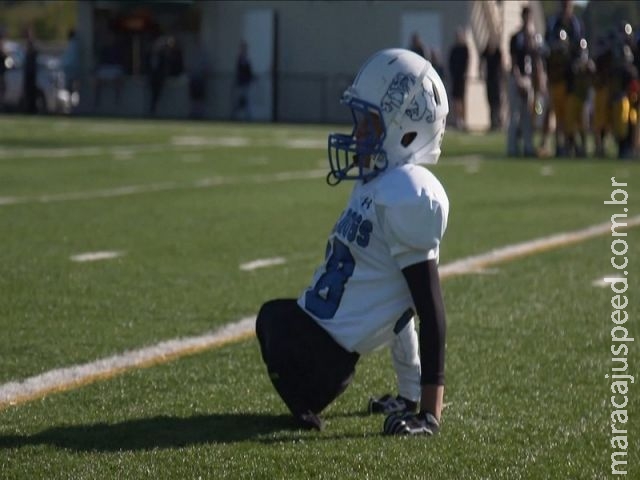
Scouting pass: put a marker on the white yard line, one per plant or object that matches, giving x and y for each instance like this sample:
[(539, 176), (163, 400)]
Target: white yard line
[(95, 256), (124, 153), (547, 171), (69, 152), (162, 187), (510, 252), (601, 283), (176, 143), (262, 263), (63, 379)]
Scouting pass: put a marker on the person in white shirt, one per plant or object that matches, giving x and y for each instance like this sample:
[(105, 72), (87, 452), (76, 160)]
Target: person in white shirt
[(381, 262)]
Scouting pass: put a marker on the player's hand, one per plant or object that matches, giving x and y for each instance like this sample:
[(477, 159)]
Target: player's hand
[(388, 404), (423, 423)]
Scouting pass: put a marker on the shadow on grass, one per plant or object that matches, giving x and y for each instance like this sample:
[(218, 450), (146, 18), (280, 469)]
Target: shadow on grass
[(167, 432)]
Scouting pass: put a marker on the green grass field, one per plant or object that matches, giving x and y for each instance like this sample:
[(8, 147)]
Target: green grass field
[(186, 204)]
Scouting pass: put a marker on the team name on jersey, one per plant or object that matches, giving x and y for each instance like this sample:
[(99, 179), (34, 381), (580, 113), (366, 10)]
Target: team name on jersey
[(352, 227)]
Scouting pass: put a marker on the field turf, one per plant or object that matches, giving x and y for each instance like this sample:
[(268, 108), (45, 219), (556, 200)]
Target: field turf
[(186, 203)]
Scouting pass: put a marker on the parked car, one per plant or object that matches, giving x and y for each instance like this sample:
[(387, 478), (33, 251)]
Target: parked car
[(51, 93)]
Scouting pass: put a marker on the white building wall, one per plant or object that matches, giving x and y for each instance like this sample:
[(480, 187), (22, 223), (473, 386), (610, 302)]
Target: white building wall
[(318, 49)]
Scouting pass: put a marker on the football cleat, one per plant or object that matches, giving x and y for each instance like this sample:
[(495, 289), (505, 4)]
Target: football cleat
[(423, 423), (388, 404), (310, 421)]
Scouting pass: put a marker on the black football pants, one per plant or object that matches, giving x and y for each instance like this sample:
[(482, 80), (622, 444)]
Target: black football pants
[(307, 367)]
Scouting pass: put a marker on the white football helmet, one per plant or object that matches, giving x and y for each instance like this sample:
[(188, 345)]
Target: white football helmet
[(406, 93)]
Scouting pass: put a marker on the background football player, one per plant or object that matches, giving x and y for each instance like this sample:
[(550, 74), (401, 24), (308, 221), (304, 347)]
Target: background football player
[(381, 262)]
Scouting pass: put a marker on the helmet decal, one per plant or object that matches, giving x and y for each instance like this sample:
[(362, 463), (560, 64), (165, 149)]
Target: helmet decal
[(399, 88), (431, 106)]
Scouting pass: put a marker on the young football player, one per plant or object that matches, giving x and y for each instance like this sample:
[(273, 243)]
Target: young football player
[(381, 261)]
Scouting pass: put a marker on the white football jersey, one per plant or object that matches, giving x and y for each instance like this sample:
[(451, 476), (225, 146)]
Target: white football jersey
[(393, 221)]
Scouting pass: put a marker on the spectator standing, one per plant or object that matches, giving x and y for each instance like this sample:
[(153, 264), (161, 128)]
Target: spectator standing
[(436, 61), (198, 76), (521, 93), (244, 77), (416, 45), (491, 70), (166, 61), (458, 65), (109, 69), (157, 72), (175, 57), (71, 64), (3, 57), (30, 74)]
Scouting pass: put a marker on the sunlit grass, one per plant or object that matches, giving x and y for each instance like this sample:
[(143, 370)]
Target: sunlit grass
[(528, 343)]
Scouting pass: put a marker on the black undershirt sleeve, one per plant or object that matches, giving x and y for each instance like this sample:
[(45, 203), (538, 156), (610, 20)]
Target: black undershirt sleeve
[(424, 283)]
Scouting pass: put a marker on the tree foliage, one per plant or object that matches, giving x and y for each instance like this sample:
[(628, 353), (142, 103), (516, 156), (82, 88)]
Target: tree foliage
[(50, 20)]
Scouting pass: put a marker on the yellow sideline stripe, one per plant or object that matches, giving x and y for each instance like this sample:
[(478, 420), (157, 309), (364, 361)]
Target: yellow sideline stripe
[(511, 252), (107, 374), (15, 393), (185, 347)]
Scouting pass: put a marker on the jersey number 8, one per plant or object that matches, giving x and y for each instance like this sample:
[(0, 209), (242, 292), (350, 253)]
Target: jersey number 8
[(324, 298)]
